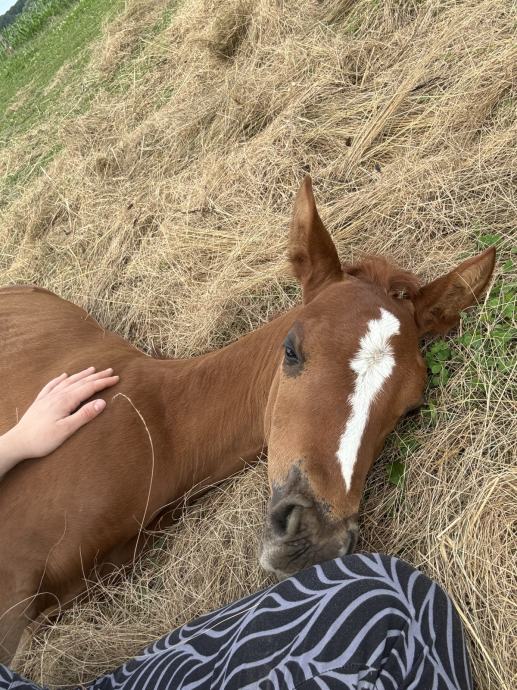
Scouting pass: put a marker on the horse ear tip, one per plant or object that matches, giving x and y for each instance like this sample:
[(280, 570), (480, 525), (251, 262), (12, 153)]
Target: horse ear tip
[(304, 198), (488, 253), (491, 252), (487, 259)]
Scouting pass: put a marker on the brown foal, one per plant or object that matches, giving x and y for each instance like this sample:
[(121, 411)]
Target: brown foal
[(321, 386)]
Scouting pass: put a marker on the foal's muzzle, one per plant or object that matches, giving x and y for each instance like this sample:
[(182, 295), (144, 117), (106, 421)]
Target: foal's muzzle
[(299, 532)]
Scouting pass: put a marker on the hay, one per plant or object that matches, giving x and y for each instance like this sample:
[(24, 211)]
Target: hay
[(165, 215)]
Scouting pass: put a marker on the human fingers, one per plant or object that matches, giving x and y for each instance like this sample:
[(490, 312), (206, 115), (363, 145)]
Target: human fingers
[(92, 377), (71, 380), (85, 389), (51, 385), (84, 414)]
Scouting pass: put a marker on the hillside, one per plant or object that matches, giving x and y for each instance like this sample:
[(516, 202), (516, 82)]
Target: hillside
[(147, 171)]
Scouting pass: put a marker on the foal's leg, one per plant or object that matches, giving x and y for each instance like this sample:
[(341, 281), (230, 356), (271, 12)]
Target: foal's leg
[(18, 608)]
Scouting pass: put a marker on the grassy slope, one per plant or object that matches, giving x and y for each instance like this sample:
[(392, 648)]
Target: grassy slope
[(64, 42), (42, 84), (174, 142)]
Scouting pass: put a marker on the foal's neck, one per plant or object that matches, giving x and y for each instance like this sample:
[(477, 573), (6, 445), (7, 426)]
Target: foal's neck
[(214, 405)]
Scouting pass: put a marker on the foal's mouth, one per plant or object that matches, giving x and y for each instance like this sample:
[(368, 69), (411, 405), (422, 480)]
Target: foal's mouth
[(285, 556)]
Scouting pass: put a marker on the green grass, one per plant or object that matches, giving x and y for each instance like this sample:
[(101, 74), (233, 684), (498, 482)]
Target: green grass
[(34, 97), (35, 15), (46, 80), (35, 64)]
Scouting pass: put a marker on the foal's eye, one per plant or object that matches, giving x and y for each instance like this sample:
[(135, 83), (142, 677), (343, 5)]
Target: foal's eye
[(290, 354)]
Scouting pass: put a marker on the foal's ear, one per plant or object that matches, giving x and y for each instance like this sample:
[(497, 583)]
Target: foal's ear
[(312, 253), (438, 304)]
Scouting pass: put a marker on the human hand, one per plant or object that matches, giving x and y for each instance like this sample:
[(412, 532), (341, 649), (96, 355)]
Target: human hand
[(51, 418)]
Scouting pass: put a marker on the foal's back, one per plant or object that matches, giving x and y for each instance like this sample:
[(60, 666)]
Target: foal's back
[(86, 500)]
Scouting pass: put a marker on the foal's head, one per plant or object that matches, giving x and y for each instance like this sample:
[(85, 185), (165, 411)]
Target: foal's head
[(351, 368)]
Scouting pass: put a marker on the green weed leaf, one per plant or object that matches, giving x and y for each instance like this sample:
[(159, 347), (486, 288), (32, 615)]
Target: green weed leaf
[(396, 473)]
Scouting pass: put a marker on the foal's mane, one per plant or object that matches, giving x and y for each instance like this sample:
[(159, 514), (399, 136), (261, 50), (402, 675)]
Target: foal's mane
[(378, 270)]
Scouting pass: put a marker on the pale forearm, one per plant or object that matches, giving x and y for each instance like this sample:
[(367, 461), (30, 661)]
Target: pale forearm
[(10, 451)]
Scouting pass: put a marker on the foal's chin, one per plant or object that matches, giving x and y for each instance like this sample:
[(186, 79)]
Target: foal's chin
[(285, 558)]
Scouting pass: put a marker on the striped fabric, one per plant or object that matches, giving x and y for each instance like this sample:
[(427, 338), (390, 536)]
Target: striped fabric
[(360, 622)]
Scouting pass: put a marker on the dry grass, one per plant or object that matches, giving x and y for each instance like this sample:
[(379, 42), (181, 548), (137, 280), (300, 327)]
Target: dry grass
[(165, 215)]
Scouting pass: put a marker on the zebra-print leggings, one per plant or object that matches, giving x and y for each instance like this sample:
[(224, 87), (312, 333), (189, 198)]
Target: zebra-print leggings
[(360, 622)]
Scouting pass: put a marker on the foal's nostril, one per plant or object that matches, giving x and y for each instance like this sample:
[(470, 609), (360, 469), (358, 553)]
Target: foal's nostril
[(293, 521), (286, 516), (286, 519)]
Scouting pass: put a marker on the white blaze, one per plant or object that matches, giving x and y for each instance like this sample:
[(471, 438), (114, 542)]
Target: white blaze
[(372, 364)]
